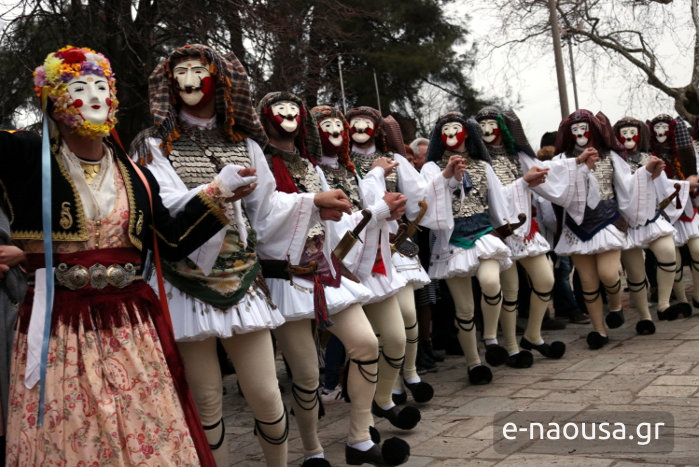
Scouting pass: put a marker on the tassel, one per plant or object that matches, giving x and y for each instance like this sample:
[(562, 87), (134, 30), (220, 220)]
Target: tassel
[(320, 305)]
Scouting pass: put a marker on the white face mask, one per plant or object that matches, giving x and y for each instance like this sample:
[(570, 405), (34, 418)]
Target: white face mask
[(362, 129), (629, 136), (490, 130), (579, 131), (661, 129), (333, 127), (287, 112), (450, 130), (90, 94), (189, 75)]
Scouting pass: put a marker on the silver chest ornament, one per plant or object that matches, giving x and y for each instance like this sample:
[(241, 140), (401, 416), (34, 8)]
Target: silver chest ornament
[(604, 173), (365, 161), (505, 166), (475, 200)]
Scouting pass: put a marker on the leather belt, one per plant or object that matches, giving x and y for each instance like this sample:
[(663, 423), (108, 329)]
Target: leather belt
[(96, 276), (280, 269)]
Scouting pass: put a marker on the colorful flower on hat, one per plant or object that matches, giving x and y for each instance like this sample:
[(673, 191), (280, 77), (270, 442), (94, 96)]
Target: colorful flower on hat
[(62, 66)]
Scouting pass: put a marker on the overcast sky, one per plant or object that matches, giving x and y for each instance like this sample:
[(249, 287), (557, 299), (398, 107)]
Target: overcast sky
[(528, 74)]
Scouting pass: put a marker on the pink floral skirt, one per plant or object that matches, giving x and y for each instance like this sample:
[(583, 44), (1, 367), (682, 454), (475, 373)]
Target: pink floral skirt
[(109, 395)]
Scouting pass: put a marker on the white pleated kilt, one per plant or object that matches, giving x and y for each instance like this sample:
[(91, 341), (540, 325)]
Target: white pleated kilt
[(381, 287), (607, 239), (295, 301), (458, 262), (521, 249), (411, 270), (686, 230), (643, 236), (194, 320)]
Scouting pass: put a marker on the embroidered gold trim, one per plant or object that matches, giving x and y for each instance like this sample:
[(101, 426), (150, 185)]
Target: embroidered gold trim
[(79, 210), (214, 207), (165, 240), (66, 219), (139, 222), (81, 235), (126, 176)]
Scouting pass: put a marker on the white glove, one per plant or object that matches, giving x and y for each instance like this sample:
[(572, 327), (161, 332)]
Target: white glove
[(229, 180)]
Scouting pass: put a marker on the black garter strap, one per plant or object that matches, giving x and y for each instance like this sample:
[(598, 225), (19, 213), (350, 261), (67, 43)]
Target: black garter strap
[(637, 286), (543, 296), (462, 322), (510, 306), (667, 267), (679, 274), (306, 404), (594, 294), (223, 433), (276, 441), (492, 300), (694, 263), (396, 363), (408, 340), (366, 374), (614, 288)]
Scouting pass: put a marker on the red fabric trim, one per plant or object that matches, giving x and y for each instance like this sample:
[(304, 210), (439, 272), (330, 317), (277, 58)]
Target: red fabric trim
[(532, 231), (282, 176), (379, 266), (684, 218)]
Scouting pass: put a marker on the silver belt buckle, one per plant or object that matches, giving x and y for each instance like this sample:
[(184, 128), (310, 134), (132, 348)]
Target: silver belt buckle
[(120, 276), (97, 276)]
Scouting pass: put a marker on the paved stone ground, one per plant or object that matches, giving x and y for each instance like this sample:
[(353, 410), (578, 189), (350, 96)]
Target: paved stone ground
[(633, 373)]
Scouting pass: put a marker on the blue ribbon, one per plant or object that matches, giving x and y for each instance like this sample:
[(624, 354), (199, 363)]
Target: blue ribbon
[(48, 256)]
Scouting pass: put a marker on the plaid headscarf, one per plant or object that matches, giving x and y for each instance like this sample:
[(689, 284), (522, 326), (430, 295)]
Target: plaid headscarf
[(474, 139), (601, 134), (375, 116), (511, 130), (680, 143), (643, 144), (234, 109), (321, 112)]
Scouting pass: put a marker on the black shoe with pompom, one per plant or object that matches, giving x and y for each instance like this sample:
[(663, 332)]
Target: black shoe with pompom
[(645, 327), (394, 451), (522, 359), (555, 350), (480, 375), (421, 391), (495, 354), (405, 418), (595, 340)]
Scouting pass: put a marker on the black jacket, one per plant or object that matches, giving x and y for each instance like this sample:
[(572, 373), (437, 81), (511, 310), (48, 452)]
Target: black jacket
[(20, 197)]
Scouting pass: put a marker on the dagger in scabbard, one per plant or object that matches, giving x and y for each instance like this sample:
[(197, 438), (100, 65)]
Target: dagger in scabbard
[(352, 236), (508, 229)]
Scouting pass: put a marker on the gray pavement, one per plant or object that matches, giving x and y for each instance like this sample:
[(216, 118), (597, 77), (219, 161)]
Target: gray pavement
[(658, 373)]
